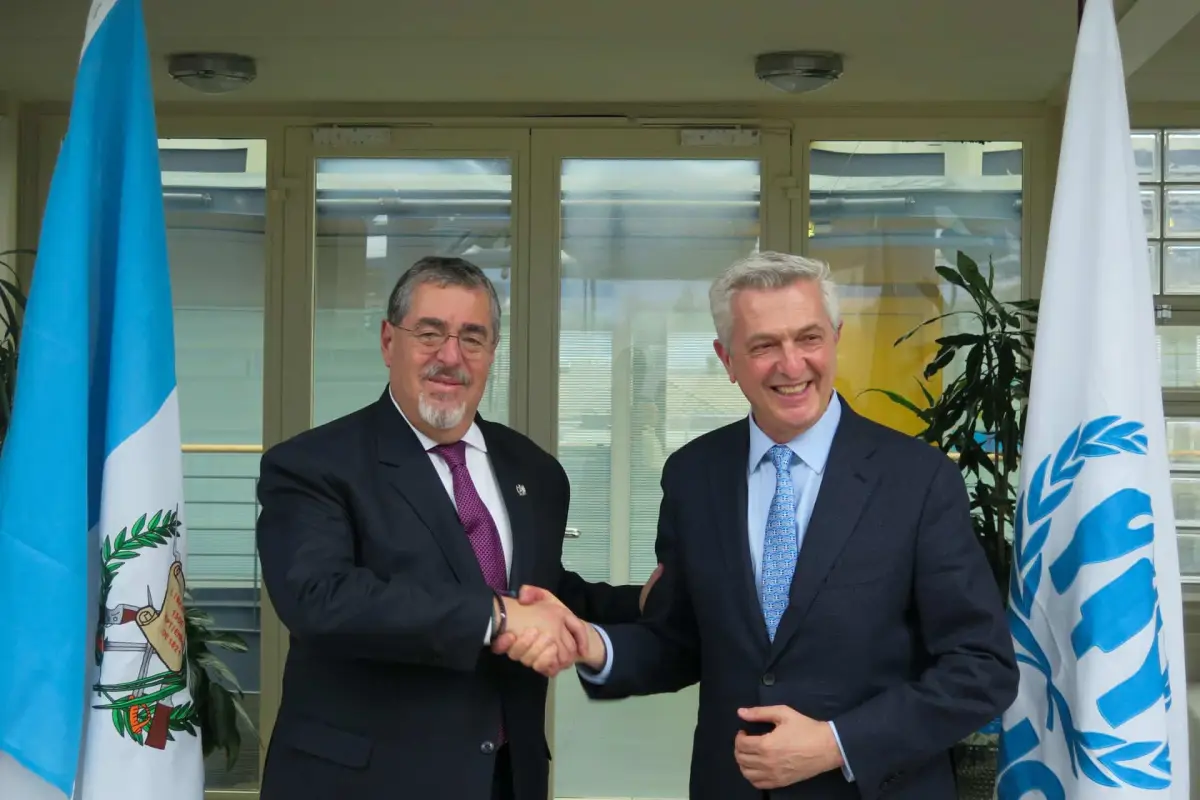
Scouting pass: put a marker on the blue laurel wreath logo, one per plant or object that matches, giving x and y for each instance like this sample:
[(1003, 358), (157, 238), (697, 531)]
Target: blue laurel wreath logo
[(1111, 616)]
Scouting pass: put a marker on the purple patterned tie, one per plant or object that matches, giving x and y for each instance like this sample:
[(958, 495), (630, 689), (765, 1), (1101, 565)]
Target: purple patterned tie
[(480, 527)]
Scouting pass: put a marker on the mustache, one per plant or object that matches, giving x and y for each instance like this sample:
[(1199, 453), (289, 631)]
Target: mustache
[(442, 371)]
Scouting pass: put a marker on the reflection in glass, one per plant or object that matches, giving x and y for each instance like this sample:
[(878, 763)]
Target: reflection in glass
[(1178, 356), (1181, 266), (885, 215), (1183, 156), (1183, 213), (1153, 254), (213, 194), (1183, 451), (374, 219), (1145, 154), (641, 240), (1150, 206)]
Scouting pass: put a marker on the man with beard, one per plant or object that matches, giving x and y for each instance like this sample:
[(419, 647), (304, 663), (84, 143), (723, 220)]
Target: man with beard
[(393, 543)]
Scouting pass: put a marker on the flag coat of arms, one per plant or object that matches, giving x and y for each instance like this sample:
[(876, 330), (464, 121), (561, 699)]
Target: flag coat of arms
[(1095, 598), (94, 698)]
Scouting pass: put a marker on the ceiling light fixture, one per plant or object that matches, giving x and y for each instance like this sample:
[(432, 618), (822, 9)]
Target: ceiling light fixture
[(212, 73), (798, 71)]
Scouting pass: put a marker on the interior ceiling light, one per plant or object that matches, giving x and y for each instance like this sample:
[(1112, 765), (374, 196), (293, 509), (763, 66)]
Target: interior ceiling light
[(798, 71), (212, 73)]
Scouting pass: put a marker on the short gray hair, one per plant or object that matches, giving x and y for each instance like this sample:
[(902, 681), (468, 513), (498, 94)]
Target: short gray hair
[(768, 270), (441, 271)]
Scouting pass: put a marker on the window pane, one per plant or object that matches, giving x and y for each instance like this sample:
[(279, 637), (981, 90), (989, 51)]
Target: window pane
[(1145, 154), (1183, 156), (642, 241), (1183, 445), (213, 194), (1154, 252), (375, 217), (1179, 356), (1150, 202), (1183, 213), (1181, 267), (885, 215)]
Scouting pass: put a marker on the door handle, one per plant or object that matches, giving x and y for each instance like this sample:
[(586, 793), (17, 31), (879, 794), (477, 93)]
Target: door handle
[(572, 533)]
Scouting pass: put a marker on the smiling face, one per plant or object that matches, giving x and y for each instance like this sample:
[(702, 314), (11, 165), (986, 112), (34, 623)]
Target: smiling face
[(438, 358), (782, 354)]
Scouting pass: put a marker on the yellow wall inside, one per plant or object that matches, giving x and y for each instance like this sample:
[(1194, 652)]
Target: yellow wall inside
[(867, 358)]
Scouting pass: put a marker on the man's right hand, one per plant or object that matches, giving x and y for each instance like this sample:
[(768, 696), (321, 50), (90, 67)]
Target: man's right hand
[(544, 635), (541, 632)]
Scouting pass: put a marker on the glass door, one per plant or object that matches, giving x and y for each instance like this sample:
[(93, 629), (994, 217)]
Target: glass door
[(629, 228), (376, 200), (360, 205)]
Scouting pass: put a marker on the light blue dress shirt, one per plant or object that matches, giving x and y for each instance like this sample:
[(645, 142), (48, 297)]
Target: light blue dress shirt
[(812, 450)]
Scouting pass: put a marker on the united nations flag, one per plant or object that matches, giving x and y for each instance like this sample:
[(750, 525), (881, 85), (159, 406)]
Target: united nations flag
[(1095, 606)]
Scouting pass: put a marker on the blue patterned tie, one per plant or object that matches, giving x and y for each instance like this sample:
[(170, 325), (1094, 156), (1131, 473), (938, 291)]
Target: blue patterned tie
[(779, 545)]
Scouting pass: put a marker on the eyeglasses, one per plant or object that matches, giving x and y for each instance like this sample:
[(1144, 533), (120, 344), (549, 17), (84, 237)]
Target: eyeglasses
[(432, 339)]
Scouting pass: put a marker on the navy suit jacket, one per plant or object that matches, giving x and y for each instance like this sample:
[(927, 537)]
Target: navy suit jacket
[(895, 629), (388, 689)]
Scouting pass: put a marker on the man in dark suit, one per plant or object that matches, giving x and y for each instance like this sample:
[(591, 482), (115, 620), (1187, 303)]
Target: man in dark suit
[(821, 578), (391, 542)]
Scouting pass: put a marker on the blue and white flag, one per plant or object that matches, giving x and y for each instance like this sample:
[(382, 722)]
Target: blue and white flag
[(94, 700), (1095, 599)]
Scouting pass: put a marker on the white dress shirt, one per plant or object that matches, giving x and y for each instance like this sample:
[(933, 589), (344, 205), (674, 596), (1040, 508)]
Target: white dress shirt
[(482, 475)]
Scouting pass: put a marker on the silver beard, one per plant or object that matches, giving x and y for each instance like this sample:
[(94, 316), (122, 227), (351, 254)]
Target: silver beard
[(440, 417)]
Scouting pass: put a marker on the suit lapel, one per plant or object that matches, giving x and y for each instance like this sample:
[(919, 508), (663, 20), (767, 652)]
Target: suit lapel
[(409, 471), (845, 488), (731, 528), (510, 475)]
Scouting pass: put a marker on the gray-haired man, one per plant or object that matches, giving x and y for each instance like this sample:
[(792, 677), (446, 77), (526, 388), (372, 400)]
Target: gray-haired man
[(392, 541)]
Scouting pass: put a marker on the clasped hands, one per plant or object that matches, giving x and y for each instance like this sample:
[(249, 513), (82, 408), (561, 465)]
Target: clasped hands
[(544, 635)]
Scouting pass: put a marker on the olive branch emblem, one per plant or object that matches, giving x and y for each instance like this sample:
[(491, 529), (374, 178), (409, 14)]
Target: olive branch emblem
[(1102, 757), (135, 704)]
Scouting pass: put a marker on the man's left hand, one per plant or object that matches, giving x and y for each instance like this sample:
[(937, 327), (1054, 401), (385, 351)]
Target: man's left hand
[(654, 576), (797, 749)]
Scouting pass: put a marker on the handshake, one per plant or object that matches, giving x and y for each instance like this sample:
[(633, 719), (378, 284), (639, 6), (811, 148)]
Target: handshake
[(544, 635)]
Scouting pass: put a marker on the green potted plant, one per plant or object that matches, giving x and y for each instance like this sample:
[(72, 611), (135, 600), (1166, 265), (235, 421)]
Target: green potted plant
[(978, 419), (216, 694), (215, 690), (12, 305)]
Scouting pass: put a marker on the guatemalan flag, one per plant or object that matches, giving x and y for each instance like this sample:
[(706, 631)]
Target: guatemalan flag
[(94, 701), (1095, 605)]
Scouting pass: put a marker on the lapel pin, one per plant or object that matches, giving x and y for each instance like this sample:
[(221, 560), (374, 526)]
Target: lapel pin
[(521, 489)]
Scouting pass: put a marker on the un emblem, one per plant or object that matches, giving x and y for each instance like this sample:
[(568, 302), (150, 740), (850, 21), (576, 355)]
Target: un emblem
[(1086, 621)]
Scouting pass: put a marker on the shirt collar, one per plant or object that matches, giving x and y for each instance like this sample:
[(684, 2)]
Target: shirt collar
[(473, 437), (812, 446)]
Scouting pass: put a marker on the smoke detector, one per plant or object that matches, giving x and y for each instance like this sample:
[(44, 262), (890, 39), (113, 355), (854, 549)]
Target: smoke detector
[(798, 71), (212, 73)]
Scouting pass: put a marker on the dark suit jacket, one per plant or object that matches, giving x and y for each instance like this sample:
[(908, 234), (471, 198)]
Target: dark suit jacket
[(895, 628), (388, 690)]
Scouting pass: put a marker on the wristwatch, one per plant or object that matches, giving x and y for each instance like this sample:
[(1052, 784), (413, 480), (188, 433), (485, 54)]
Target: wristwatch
[(500, 595)]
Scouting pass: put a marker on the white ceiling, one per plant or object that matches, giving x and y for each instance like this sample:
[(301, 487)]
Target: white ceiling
[(590, 51)]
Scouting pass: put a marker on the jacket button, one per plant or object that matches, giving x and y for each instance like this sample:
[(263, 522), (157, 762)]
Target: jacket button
[(487, 748), (769, 679)]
